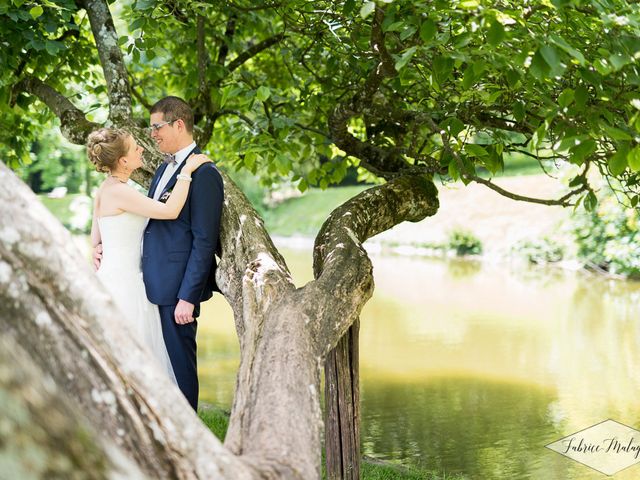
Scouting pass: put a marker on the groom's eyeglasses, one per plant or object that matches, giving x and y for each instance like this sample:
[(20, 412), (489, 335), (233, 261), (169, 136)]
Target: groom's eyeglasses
[(157, 126)]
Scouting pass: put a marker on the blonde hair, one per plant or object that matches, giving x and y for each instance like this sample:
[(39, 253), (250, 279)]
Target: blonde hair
[(105, 146)]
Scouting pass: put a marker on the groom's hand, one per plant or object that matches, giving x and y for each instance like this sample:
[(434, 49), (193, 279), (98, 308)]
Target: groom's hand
[(184, 312), (97, 256)]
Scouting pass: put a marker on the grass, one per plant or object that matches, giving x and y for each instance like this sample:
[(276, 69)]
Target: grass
[(305, 215), (217, 420)]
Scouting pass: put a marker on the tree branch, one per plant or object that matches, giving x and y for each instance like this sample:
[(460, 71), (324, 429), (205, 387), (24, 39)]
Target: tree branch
[(229, 32), (254, 50), (340, 263), (111, 59), (73, 122), (562, 201)]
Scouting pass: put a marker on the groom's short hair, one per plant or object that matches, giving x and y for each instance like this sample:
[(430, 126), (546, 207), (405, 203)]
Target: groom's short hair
[(174, 108)]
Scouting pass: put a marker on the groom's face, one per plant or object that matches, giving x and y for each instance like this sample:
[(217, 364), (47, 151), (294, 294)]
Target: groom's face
[(165, 136)]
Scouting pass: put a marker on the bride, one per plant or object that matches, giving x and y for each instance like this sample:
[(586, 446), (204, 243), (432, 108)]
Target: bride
[(120, 216)]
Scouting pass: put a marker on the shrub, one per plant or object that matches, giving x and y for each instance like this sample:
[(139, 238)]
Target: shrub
[(607, 238), (464, 243)]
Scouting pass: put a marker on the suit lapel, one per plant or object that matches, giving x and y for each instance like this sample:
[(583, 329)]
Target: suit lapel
[(156, 179)]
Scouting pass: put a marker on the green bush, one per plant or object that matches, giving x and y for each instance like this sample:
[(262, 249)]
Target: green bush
[(464, 243), (607, 238), (541, 251)]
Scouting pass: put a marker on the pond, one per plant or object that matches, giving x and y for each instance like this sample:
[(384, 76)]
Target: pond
[(472, 368)]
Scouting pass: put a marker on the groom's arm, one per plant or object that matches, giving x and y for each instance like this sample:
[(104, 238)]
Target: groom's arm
[(205, 207)]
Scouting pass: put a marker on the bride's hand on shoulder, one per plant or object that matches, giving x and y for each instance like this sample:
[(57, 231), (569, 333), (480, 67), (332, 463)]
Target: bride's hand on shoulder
[(195, 161)]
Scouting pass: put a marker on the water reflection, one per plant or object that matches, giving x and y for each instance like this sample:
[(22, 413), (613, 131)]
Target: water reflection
[(473, 368)]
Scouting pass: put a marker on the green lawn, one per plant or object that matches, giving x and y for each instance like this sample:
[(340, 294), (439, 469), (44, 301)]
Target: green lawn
[(305, 215), (217, 420)]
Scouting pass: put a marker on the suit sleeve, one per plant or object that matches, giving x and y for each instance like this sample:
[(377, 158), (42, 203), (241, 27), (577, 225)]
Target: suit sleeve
[(205, 208)]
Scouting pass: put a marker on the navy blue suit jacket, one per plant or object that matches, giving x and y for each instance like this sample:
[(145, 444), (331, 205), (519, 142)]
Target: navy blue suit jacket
[(178, 256)]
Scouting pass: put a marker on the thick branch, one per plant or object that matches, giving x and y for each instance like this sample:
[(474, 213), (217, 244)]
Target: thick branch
[(228, 37), (340, 263), (253, 51), (111, 59), (73, 123), (384, 162)]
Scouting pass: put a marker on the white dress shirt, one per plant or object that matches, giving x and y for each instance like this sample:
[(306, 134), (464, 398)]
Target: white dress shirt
[(181, 156)]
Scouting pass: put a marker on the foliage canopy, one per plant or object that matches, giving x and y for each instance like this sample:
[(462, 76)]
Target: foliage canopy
[(305, 89)]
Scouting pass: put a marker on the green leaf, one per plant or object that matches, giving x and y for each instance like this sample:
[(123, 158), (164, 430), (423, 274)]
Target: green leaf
[(513, 77), (581, 96), (496, 33), (518, 111), (367, 9), (566, 97), (633, 159), (474, 150), (453, 171), (407, 32), (602, 66), (469, 4), (36, 11), (452, 126), (348, 7), (394, 27), (590, 202), (144, 4), (618, 61), (250, 160), (538, 136), (618, 161), (469, 77), (405, 58), (582, 151), (539, 67), (428, 30), (263, 93), (562, 43), (550, 55), (303, 185), (615, 133)]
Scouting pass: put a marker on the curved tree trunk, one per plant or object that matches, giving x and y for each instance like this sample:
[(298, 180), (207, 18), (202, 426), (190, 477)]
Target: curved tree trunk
[(52, 304)]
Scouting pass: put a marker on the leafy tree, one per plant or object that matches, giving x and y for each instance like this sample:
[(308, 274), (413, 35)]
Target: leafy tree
[(404, 90)]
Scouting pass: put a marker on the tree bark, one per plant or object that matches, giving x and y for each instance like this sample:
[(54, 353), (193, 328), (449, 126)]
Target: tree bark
[(342, 407), (43, 435)]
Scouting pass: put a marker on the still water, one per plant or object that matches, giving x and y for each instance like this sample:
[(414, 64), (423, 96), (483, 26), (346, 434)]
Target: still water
[(472, 369)]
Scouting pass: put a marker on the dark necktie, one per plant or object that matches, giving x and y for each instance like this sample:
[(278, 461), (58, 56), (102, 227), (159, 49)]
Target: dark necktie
[(170, 159)]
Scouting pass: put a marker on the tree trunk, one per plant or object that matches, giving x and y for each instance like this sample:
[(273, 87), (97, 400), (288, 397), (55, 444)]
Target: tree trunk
[(342, 408), (43, 434), (53, 306)]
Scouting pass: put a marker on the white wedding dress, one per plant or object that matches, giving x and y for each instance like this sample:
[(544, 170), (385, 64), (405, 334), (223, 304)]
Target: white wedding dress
[(121, 275)]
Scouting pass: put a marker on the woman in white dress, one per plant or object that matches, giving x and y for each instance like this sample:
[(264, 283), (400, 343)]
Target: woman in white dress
[(120, 216)]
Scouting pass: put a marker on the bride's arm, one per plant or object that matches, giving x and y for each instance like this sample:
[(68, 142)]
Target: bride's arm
[(96, 238), (130, 200), (127, 198)]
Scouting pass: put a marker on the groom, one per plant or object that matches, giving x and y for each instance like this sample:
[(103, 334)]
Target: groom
[(178, 263)]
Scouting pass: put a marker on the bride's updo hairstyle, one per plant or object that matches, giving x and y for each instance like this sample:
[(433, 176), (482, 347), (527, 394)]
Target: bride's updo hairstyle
[(105, 146)]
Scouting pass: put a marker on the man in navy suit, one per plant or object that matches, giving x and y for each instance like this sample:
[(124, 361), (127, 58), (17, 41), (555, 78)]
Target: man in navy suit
[(178, 262)]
